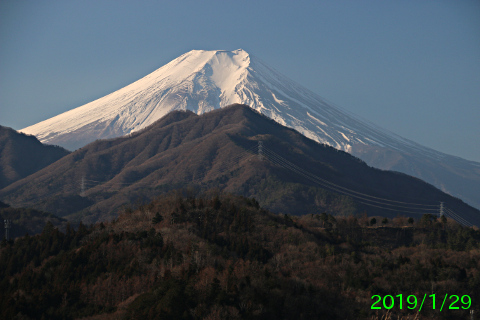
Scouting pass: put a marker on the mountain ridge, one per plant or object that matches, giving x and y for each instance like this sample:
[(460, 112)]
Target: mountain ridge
[(218, 149), (22, 155), (202, 81)]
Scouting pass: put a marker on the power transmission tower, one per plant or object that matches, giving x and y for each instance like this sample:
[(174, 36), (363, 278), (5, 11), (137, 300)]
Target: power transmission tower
[(441, 209), (260, 150), (8, 225), (82, 187)]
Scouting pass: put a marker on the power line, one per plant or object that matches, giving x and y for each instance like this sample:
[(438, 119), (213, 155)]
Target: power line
[(353, 191), (451, 214), (263, 152), (378, 203), (397, 210), (279, 160)]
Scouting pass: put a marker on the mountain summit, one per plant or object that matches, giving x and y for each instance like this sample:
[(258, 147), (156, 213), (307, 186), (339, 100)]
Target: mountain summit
[(202, 81)]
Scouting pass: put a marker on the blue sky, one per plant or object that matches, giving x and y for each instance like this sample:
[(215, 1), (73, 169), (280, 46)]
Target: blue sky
[(412, 67)]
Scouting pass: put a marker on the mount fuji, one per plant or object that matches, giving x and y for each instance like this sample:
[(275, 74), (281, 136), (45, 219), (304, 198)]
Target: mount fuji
[(202, 81)]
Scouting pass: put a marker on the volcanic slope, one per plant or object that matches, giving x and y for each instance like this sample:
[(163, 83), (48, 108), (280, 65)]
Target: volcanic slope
[(220, 149), (22, 155), (201, 81)]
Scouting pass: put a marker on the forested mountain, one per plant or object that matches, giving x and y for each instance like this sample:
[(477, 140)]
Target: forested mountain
[(21, 155), (220, 256), (463, 176), (222, 149), (201, 81), (26, 221)]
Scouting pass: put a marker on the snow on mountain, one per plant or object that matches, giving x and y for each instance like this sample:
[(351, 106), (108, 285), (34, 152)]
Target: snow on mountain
[(201, 81)]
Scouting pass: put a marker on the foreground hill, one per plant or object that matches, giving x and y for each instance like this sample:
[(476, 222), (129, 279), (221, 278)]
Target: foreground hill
[(220, 149), (218, 256), (21, 155), (26, 220)]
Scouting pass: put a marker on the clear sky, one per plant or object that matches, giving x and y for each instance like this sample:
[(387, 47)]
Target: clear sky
[(410, 66)]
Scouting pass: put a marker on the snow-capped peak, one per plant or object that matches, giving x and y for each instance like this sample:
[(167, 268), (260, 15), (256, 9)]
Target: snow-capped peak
[(198, 80), (201, 81)]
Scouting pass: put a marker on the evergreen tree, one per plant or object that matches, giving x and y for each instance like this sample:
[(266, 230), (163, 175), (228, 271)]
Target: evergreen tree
[(157, 218)]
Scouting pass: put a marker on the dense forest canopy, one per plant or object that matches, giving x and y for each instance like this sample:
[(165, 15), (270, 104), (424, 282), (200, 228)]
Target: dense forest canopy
[(220, 256)]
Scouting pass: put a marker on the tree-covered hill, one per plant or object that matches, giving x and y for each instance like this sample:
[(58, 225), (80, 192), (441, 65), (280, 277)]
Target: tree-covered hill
[(220, 256), (21, 155), (26, 221), (220, 149)]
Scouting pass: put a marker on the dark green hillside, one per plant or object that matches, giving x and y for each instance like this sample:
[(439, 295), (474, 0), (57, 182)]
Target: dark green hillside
[(220, 256), (26, 220), (463, 182), (219, 149), (21, 155)]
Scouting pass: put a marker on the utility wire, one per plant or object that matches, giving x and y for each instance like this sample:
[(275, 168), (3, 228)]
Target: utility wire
[(277, 159), (457, 217), (417, 210), (280, 161), (350, 190), (402, 210)]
